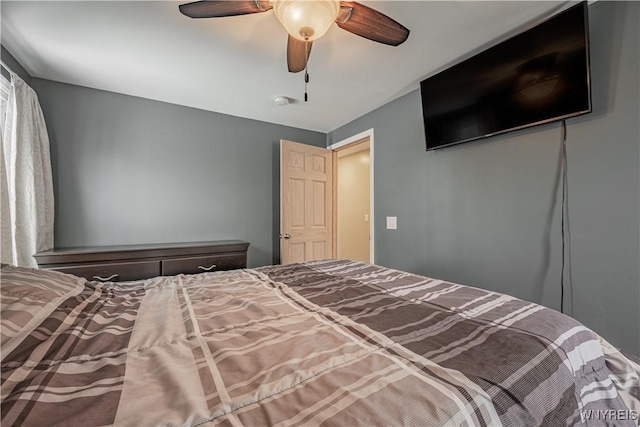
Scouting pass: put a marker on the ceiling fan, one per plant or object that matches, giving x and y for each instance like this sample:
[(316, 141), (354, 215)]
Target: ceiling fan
[(307, 21)]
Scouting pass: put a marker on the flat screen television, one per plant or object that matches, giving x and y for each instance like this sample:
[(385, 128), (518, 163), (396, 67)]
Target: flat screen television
[(538, 76)]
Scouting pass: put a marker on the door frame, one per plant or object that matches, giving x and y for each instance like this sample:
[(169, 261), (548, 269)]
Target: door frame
[(341, 145)]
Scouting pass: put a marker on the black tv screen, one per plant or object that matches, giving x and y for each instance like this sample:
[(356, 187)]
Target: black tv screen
[(538, 76)]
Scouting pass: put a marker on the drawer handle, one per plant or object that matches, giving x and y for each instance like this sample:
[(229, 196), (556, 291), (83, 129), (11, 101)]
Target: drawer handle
[(207, 268), (105, 279)]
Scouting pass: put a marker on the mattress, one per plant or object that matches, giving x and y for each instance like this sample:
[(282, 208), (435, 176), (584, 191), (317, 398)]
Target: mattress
[(331, 343)]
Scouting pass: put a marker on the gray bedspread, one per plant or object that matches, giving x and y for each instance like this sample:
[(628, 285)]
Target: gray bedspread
[(332, 343)]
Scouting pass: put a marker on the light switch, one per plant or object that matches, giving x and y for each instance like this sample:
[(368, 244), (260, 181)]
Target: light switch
[(366, 217), (392, 223)]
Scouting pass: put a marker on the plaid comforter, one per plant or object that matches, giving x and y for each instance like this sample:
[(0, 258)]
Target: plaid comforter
[(323, 343)]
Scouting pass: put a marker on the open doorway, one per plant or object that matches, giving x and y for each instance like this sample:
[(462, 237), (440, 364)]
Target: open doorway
[(353, 197)]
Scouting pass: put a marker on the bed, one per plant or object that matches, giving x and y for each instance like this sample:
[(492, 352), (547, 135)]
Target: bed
[(331, 343)]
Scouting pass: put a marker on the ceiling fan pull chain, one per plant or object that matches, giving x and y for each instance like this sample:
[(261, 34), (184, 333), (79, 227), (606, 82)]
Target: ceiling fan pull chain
[(306, 81), (306, 74)]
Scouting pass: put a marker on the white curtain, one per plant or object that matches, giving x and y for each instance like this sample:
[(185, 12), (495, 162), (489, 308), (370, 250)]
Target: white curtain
[(27, 185)]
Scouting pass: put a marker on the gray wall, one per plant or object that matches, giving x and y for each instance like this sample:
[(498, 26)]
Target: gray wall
[(488, 213), (129, 170), (15, 66)]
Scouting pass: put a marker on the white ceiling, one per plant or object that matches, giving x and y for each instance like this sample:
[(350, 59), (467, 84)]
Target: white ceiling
[(237, 65)]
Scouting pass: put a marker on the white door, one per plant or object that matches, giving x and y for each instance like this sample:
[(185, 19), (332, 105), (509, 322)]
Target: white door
[(306, 202)]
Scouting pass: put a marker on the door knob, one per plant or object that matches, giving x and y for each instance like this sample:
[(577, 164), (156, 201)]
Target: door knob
[(287, 236)]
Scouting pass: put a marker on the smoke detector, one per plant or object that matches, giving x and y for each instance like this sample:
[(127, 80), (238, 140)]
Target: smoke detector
[(281, 101)]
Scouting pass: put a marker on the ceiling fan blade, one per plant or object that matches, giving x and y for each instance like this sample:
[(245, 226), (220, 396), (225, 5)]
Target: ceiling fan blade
[(370, 24), (297, 54), (217, 9)]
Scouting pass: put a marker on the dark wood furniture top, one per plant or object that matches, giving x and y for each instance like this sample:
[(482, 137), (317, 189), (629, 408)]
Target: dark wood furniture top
[(135, 262)]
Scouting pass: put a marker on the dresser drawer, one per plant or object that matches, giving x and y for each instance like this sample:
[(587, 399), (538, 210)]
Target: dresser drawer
[(135, 262), (113, 272), (200, 264)]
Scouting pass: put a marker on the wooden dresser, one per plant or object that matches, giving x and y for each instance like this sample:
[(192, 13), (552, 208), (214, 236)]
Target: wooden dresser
[(135, 262)]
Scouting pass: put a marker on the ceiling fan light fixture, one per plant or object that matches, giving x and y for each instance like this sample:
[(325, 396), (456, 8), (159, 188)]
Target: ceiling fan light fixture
[(306, 20)]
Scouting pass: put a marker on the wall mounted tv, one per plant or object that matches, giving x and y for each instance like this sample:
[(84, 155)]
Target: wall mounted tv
[(538, 76)]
